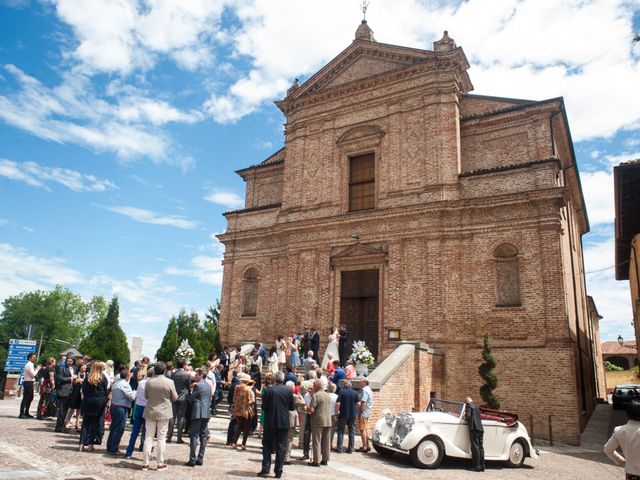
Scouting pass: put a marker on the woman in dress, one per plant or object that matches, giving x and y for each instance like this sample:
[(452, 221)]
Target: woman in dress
[(273, 360), (281, 347), (94, 398), (47, 404), (294, 359), (75, 401), (332, 348), (243, 409)]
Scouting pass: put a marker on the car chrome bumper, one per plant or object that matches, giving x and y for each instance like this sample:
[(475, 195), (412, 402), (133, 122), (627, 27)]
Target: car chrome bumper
[(389, 447)]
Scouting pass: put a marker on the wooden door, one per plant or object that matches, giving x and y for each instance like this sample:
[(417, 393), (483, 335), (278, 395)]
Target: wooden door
[(359, 307)]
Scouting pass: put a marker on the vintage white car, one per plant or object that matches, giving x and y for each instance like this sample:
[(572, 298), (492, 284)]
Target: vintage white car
[(442, 430)]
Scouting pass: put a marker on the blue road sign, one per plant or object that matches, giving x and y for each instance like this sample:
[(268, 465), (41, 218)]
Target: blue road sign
[(17, 355)]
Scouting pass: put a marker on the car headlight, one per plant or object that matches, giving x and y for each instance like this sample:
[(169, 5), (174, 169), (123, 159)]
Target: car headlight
[(389, 418)]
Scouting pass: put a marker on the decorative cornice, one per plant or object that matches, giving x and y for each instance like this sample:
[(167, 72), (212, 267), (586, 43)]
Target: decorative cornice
[(252, 209), (513, 166), (515, 108)]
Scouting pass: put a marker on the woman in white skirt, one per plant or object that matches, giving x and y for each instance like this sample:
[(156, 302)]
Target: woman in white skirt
[(272, 361), (281, 347), (332, 348)]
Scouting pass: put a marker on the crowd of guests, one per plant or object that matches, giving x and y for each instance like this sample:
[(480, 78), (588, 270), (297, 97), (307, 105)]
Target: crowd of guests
[(164, 402)]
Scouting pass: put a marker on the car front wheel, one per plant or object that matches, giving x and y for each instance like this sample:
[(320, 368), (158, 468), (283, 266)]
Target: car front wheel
[(428, 453), (517, 453)]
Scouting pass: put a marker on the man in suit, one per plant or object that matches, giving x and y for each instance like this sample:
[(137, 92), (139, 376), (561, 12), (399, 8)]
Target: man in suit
[(320, 425), (160, 392), (314, 344), (476, 432), (225, 359), (306, 338), (182, 381), (277, 402), (200, 400), (64, 377), (342, 344), (347, 405)]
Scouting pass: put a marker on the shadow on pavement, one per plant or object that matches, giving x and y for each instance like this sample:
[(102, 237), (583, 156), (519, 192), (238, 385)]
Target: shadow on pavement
[(242, 473)]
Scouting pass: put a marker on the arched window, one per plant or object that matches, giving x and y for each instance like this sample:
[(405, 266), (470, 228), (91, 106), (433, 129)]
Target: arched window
[(250, 303), (507, 276)]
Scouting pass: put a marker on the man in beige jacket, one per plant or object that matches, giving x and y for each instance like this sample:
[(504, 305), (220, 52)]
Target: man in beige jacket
[(160, 392)]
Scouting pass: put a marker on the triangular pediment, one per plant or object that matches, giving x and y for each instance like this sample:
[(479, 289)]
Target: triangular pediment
[(363, 66), (358, 254), (362, 59)]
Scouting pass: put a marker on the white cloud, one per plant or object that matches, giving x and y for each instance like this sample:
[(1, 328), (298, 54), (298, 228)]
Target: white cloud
[(125, 35), (206, 269), (615, 160), (3, 222), (519, 48), (203, 268), (598, 193), (147, 302), (224, 197), (73, 112), (37, 175), (149, 216), (22, 271), (612, 297)]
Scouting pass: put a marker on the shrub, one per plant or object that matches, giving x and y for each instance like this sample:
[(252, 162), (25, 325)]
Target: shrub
[(610, 367), (491, 380)]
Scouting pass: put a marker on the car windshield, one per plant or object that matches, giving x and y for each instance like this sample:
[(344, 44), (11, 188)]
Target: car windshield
[(436, 405), (626, 391)]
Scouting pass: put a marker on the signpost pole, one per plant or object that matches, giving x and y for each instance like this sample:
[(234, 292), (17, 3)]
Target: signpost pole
[(40, 344)]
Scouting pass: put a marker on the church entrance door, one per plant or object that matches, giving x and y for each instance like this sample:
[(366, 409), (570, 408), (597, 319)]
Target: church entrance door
[(359, 307)]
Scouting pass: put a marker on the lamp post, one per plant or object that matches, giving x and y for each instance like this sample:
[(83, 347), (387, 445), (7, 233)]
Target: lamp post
[(620, 340)]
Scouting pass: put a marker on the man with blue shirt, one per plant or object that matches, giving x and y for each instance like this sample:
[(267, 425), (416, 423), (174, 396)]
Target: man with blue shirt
[(347, 405), (289, 376), (338, 375), (121, 397)]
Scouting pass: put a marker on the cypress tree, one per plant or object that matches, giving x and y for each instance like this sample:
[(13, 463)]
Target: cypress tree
[(107, 340), (170, 342), (490, 379)]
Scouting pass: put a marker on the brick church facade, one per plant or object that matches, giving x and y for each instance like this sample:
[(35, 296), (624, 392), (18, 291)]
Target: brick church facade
[(410, 209)]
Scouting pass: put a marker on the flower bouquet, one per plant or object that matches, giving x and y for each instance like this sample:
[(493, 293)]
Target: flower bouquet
[(361, 354), (185, 351)]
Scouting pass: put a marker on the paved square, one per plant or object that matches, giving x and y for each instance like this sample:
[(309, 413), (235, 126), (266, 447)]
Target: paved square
[(30, 449)]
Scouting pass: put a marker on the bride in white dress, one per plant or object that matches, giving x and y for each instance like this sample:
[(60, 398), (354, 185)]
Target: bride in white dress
[(332, 348)]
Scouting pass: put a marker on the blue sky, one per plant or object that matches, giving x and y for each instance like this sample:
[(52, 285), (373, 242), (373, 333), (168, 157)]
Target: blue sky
[(122, 122)]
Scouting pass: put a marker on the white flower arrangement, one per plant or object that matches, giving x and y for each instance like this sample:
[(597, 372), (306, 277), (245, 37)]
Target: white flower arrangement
[(361, 354), (185, 351)]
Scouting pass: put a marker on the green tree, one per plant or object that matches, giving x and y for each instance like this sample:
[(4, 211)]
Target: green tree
[(489, 377), (203, 337), (170, 342), (53, 315), (107, 340)]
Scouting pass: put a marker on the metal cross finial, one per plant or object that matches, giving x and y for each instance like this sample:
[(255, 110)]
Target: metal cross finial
[(363, 6)]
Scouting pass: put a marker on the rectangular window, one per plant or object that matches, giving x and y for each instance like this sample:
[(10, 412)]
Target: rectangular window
[(362, 182)]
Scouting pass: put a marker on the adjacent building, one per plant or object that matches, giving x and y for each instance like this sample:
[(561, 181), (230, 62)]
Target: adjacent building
[(626, 180), (410, 209)]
